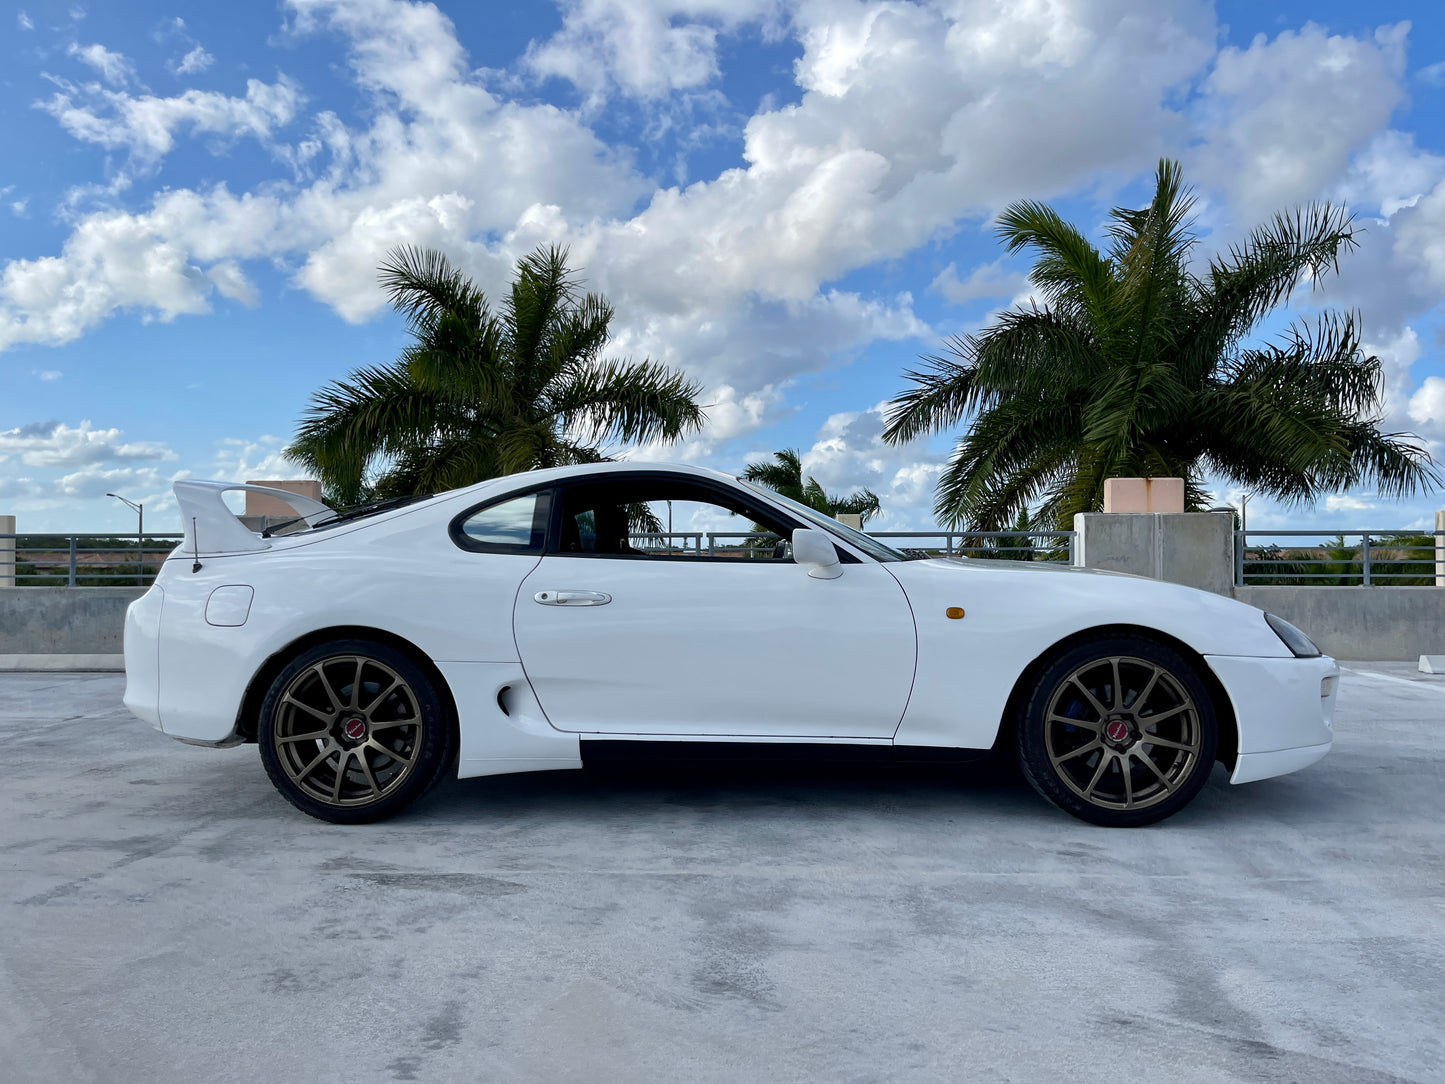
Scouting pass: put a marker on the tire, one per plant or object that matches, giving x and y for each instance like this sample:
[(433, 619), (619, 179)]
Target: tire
[(353, 731), (1088, 750)]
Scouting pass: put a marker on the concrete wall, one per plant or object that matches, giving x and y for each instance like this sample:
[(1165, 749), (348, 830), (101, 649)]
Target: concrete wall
[(1192, 548), (7, 552), (1197, 549), (63, 620), (1364, 623)]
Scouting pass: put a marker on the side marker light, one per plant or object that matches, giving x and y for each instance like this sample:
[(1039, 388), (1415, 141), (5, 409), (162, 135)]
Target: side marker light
[(953, 612)]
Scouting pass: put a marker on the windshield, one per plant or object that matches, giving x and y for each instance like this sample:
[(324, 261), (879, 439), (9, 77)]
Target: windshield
[(871, 546)]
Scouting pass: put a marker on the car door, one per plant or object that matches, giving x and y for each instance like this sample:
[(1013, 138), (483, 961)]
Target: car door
[(648, 639)]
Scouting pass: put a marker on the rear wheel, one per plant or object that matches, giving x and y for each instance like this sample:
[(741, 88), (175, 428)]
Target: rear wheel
[(353, 731), (1119, 731)]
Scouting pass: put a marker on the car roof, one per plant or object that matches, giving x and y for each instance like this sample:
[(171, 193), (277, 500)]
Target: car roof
[(533, 478)]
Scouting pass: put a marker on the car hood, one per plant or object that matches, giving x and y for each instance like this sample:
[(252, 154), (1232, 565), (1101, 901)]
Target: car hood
[(1058, 600), (977, 564)]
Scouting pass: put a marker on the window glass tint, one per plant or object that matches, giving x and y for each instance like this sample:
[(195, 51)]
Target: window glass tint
[(662, 518), (510, 523), (871, 546)]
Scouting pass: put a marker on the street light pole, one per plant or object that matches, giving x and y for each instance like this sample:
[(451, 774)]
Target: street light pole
[(140, 536)]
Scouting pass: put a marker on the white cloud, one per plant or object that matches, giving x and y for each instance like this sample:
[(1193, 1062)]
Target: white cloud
[(261, 458), (49, 374), (114, 68), (1391, 173), (849, 453), (1397, 354), (1427, 410), (1282, 117), (731, 415), (643, 48), (55, 444), (832, 184), (23, 21), (144, 485), (990, 280), (1341, 502), (231, 282), (147, 126), (196, 60), (1433, 75), (111, 260)]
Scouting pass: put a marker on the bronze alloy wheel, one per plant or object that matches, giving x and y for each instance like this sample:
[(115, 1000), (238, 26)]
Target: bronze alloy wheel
[(1119, 731), (1122, 732), (353, 731), (348, 730)]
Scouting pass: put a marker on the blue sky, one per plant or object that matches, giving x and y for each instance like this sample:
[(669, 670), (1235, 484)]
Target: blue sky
[(789, 200)]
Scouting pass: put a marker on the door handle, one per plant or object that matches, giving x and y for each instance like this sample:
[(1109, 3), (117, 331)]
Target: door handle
[(572, 598)]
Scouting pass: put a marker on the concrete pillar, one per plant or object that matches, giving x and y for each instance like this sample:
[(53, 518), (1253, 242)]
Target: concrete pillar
[(262, 504), (7, 552), (1134, 495), (1440, 548), (1192, 548)]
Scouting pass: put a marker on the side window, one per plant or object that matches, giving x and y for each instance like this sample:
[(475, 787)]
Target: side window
[(518, 524), (662, 518)]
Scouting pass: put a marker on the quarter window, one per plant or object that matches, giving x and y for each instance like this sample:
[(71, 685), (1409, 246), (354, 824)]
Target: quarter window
[(516, 524)]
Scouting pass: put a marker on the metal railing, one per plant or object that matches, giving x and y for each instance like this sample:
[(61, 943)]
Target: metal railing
[(82, 560), (1377, 559), (1056, 546), (1001, 545), (1261, 557)]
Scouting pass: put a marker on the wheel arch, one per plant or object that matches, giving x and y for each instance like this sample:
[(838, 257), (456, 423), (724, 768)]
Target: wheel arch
[(248, 716), (1228, 747)]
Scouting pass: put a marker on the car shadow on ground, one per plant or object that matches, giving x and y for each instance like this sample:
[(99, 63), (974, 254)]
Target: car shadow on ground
[(1341, 791), (992, 789), (740, 785)]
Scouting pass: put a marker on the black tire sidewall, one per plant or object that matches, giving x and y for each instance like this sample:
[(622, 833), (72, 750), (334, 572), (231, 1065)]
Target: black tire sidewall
[(1033, 752), (433, 758)]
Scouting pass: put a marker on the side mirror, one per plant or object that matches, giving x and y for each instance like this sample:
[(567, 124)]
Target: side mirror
[(815, 549)]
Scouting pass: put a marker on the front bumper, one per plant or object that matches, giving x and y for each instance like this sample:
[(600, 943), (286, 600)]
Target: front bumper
[(1284, 708)]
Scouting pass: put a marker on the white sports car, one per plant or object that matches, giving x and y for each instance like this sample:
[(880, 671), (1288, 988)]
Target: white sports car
[(522, 624)]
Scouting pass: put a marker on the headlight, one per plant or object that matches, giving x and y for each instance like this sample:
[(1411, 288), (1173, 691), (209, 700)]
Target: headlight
[(1296, 641)]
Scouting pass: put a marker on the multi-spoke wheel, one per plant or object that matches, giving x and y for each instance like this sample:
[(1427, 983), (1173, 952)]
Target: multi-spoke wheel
[(353, 731), (1119, 731)]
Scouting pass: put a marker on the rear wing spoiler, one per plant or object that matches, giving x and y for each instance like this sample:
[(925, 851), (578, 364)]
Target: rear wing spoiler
[(213, 530)]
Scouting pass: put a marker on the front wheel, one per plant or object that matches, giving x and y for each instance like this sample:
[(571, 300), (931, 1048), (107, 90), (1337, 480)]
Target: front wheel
[(353, 731), (1119, 731)]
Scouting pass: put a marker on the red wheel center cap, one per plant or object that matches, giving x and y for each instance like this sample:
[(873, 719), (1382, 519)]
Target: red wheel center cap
[(1117, 730), (355, 729)]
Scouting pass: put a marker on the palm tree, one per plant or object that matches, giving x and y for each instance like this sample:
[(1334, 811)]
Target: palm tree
[(785, 475), (1137, 366), (478, 393)]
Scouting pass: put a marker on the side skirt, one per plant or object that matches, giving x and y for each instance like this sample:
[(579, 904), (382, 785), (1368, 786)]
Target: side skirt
[(598, 752)]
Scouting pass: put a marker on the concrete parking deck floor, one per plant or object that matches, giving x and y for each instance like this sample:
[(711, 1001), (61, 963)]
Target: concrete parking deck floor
[(167, 917)]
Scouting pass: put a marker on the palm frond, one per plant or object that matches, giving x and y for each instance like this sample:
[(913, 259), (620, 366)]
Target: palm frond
[(375, 413), (626, 401), (1069, 270), (942, 395), (785, 474), (543, 289), (423, 286), (863, 503), (1259, 274)]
